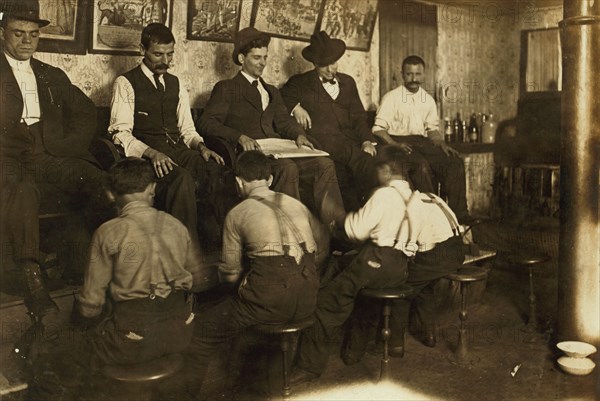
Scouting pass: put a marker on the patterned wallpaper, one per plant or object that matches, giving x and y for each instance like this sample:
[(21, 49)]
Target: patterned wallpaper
[(478, 54), (201, 64)]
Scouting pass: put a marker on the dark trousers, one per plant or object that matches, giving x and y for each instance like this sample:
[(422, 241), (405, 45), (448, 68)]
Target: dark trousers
[(423, 273), (373, 267), (430, 162), (161, 326), (316, 173), (69, 365), (213, 181), (349, 158), (25, 168), (276, 290)]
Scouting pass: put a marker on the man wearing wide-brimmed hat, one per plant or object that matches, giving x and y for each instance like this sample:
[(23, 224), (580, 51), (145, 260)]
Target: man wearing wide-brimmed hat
[(327, 105), (46, 126), (245, 108)]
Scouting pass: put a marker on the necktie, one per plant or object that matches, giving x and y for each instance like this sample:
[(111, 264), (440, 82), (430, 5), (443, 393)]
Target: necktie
[(262, 95), (159, 85), (329, 81)]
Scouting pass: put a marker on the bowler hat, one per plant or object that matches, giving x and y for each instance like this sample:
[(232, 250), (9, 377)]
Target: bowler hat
[(27, 10), (244, 37), (323, 50)]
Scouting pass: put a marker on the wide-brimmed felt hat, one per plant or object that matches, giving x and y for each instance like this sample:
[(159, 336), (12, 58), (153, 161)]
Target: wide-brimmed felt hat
[(27, 10), (244, 37), (323, 50)]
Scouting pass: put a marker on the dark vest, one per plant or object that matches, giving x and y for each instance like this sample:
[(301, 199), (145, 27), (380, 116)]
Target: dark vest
[(155, 111)]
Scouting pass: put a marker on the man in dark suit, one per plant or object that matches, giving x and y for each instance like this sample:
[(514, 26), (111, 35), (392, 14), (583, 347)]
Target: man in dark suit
[(46, 126), (327, 105), (246, 108)]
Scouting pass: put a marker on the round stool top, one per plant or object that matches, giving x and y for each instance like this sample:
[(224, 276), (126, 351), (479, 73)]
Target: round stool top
[(528, 260), (468, 273), (290, 327), (400, 292), (145, 372)]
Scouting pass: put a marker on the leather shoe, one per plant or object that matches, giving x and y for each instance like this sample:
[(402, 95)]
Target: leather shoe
[(429, 340), (299, 376)]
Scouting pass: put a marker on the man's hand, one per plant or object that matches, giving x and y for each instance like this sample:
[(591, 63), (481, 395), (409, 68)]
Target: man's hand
[(248, 143), (206, 154), (406, 148), (449, 151), (302, 116), (369, 148), (161, 163), (303, 140)]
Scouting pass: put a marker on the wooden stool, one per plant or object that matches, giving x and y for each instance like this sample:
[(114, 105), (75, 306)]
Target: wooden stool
[(530, 261), (138, 379), (285, 331), (387, 295), (463, 276)]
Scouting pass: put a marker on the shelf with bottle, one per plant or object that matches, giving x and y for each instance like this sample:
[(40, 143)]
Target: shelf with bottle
[(481, 128)]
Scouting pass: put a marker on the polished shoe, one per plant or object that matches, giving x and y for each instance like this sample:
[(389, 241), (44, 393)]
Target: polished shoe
[(429, 340), (299, 376)]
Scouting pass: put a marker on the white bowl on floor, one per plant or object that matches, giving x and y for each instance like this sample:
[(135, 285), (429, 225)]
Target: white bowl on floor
[(576, 349), (576, 366)]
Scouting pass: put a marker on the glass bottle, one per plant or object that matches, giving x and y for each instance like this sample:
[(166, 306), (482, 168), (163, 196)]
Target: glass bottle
[(448, 132), (488, 130)]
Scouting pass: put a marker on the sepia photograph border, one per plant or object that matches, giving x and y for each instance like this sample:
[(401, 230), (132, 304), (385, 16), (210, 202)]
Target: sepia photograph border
[(72, 44)]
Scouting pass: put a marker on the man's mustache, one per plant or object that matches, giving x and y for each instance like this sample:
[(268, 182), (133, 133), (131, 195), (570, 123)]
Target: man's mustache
[(163, 66)]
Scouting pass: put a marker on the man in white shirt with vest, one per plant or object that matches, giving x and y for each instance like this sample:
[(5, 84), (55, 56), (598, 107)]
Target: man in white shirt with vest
[(151, 118), (408, 115)]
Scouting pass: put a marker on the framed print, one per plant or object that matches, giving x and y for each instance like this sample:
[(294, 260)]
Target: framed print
[(117, 24), (352, 21), (291, 19), (66, 32), (213, 20)]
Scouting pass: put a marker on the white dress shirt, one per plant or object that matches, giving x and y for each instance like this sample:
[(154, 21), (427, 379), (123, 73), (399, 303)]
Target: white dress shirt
[(333, 89), (122, 111), (264, 95), (29, 90), (404, 113), (397, 217)]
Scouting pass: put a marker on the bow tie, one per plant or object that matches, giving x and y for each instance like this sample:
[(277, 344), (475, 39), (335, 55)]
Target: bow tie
[(329, 81)]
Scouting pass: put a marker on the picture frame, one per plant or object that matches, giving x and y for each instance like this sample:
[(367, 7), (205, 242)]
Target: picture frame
[(67, 30), (352, 21), (289, 19), (116, 25), (213, 20)]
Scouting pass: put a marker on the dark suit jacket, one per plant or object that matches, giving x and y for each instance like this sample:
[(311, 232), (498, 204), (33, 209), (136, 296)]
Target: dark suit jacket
[(234, 108), (332, 120), (68, 115)]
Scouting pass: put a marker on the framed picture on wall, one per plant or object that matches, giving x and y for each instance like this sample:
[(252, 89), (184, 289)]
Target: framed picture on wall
[(291, 19), (67, 30), (117, 24), (213, 20), (353, 21)]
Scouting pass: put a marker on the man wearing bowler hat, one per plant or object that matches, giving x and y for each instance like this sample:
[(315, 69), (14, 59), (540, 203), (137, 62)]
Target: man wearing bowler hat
[(46, 126), (245, 108), (327, 105)]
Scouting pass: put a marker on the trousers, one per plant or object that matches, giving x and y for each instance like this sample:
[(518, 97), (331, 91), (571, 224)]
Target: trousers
[(373, 267)]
